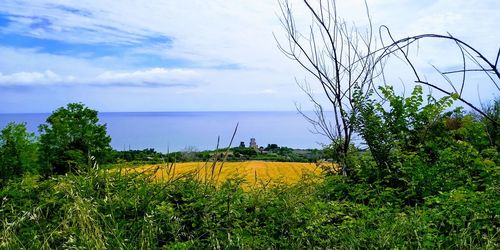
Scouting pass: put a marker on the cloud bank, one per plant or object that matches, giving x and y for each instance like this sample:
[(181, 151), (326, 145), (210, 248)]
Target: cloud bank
[(181, 50)]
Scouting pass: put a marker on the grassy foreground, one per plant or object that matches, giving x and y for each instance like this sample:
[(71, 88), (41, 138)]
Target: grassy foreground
[(109, 210)]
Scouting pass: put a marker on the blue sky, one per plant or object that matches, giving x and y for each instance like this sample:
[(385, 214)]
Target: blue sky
[(194, 55)]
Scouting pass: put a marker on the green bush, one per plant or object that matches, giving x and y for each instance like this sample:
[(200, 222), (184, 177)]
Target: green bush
[(18, 151)]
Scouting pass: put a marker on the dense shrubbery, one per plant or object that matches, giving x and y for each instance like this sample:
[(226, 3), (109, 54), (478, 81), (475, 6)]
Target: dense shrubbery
[(429, 179), (105, 209), (18, 152), (421, 150)]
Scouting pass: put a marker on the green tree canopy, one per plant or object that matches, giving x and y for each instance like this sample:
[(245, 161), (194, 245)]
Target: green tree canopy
[(72, 139), (18, 151)]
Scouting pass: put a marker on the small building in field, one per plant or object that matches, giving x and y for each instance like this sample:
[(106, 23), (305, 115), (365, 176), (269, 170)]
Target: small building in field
[(253, 143)]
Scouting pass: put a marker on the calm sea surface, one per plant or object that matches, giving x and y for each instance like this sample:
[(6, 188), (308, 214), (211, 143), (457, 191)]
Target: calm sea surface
[(174, 131)]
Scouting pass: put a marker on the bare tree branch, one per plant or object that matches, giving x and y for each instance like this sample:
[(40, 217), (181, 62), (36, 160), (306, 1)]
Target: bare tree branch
[(340, 57)]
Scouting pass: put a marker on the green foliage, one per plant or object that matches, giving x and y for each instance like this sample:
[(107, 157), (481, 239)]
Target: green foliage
[(136, 156), (429, 180), (18, 151), (493, 110), (457, 166), (404, 125), (104, 209), (419, 150), (274, 153), (72, 140), (271, 147), (248, 152)]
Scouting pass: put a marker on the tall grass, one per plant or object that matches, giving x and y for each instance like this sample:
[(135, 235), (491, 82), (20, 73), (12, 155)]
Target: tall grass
[(123, 209), (108, 210)]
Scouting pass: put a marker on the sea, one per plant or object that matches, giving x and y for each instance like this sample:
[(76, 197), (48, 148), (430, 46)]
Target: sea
[(194, 131)]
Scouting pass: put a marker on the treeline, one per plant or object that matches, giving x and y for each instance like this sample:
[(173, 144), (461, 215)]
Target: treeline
[(270, 153)]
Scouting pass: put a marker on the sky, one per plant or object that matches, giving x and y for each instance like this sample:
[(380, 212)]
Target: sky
[(198, 55)]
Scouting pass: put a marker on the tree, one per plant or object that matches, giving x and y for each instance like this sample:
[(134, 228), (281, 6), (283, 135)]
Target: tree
[(72, 140), (340, 58), (493, 130), (345, 60), (18, 151), (271, 147), (470, 56)]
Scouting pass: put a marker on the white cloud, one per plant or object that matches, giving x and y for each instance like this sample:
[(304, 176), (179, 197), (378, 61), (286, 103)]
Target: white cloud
[(268, 91), (153, 77), (212, 33), (32, 60), (237, 32), (30, 78), (206, 32), (474, 21), (148, 75)]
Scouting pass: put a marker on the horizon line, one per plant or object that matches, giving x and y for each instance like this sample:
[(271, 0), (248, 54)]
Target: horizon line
[(188, 111)]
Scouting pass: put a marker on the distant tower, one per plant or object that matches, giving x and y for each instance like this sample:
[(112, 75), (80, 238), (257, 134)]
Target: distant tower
[(253, 144), (242, 144)]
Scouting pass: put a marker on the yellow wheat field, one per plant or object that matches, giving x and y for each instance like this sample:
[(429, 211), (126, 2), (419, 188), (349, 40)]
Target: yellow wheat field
[(252, 172)]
